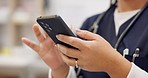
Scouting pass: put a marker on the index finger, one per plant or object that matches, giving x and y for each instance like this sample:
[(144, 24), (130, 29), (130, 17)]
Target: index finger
[(73, 41), (38, 33)]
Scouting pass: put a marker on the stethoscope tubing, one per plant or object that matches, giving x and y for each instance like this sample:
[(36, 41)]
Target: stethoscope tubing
[(95, 25), (129, 26)]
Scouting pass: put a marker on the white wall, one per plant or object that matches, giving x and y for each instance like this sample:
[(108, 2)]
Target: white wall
[(74, 12)]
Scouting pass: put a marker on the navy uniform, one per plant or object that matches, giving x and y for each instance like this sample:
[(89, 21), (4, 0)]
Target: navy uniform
[(136, 37)]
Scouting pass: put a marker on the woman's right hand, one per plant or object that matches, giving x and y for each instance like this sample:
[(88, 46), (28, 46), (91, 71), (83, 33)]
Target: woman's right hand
[(48, 52)]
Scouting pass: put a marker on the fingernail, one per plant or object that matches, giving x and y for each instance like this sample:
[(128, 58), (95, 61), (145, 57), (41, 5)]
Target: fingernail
[(58, 36), (78, 30)]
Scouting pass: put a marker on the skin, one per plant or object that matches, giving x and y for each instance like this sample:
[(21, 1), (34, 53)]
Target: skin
[(48, 52), (129, 5), (93, 48)]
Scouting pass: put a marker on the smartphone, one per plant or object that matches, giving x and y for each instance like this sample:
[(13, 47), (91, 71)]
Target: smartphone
[(54, 25)]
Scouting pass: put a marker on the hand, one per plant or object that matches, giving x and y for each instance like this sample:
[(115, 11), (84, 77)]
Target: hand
[(48, 52), (94, 54)]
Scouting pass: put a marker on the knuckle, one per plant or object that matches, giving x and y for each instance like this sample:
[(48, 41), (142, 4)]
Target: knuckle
[(85, 33), (88, 46), (72, 40), (67, 53), (38, 33)]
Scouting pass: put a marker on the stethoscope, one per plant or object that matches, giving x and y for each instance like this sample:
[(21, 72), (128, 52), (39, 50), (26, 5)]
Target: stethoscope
[(95, 26)]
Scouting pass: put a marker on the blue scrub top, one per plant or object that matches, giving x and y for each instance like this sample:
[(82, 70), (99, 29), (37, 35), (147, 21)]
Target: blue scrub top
[(136, 37)]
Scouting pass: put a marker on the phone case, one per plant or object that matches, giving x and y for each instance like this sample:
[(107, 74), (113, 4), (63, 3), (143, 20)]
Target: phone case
[(54, 25)]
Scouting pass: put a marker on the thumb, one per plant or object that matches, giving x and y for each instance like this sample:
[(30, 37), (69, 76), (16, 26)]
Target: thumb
[(86, 34)]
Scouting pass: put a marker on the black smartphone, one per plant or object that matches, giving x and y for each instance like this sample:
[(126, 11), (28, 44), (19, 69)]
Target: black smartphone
[(54, 25)]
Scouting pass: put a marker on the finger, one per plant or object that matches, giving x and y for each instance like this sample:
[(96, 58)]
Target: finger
[(38, 33), (86, 34), (46, 35), (67, 60), (73, 41), (31, 44), (43, 32), (69, 51)]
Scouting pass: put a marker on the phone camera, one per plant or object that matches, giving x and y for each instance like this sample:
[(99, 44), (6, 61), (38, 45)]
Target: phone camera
[(42, 23), (47, 25), (48, 31)]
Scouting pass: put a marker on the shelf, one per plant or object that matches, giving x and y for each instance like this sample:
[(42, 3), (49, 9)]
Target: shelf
[(18, 16)]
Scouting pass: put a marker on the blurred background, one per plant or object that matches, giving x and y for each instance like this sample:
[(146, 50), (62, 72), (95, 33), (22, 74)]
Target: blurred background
[(16, 20)]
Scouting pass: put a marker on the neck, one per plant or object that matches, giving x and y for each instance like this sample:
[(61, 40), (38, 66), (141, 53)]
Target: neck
[(129, 5)]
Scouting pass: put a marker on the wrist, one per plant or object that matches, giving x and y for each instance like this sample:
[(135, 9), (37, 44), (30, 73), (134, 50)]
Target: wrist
[(119, 67), (61, 72)]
